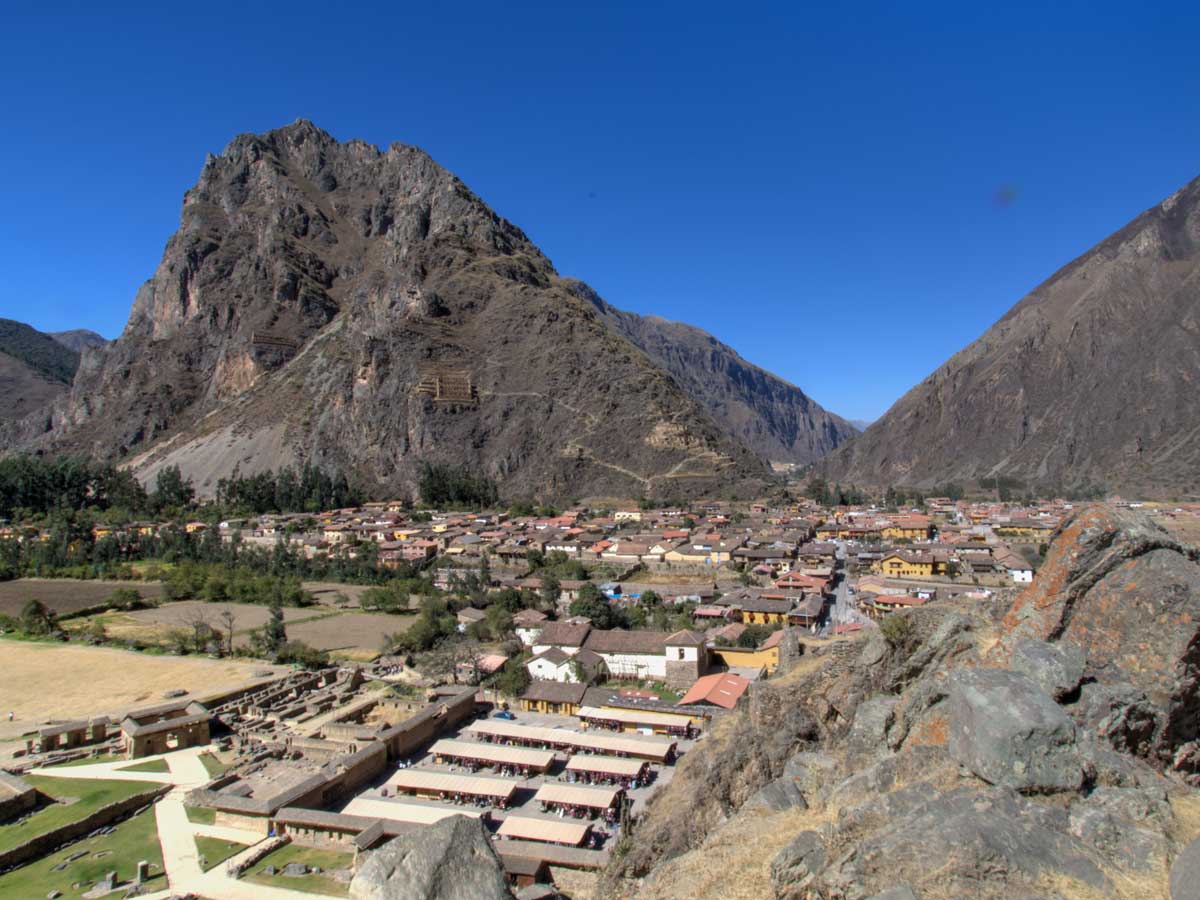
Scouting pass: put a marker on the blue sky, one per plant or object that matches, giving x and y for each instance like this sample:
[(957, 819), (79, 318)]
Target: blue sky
[(846, 194)]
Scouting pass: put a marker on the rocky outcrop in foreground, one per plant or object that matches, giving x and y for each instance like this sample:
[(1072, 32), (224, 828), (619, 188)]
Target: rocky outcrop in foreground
[(1038, 747), (451, 860)]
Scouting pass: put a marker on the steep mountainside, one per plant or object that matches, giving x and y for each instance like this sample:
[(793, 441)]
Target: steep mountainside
[(1042, 746), (79, 339), (338, 304), (34, 369), (774, 418), (1092, 378)]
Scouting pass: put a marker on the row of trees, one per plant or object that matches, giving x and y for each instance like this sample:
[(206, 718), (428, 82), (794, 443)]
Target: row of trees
[(36, 486), (307, 489), (71, 550), (443, 485)]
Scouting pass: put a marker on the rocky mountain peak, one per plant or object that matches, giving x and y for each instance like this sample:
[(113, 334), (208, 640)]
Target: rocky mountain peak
[(330, 302)]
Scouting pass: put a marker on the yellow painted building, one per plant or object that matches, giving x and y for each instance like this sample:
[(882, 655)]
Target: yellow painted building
[(753, 658), (898, 565), (907, 532)]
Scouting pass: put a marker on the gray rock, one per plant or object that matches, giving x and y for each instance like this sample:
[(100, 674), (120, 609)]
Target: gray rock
[(1057, 668), (982, 842), (295, 869), (1185, 873), (874, 650), (872, 719), (451, 860), (1126, 824), (778, 795), (951, 637), (53, 895), (1120, 714), (794, 867), (1008, 732), (901, 892)]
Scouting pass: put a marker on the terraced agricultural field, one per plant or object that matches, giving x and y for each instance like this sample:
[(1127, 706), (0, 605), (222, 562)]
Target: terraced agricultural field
[(67, 595)]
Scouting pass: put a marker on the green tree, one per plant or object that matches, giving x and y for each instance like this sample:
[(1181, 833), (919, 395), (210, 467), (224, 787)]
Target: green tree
[(513, 679), (274, 632), (37, 619)]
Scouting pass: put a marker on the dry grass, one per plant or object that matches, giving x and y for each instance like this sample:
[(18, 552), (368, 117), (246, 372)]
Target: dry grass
[(57, 681), (1185, 808), (734, 863), (575, 884)]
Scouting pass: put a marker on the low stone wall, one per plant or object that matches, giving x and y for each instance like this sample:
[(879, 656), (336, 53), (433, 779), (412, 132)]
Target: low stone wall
[(260, 851), (50, 841)]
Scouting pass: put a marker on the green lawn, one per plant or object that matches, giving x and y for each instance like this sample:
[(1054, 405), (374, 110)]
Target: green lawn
[(90, 761), (214, 766), (90, 795), (133, 840), (215, 851), (150, 765), (201, 815), (310, 884)]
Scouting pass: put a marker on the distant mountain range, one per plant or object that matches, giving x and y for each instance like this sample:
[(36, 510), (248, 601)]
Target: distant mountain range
[(362, 309), (79, 339), (1093, 379), (36, 367)]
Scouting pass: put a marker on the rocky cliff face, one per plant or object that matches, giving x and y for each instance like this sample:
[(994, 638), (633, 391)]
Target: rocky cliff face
[(1037, 746), (1091, 379), (337, 304)]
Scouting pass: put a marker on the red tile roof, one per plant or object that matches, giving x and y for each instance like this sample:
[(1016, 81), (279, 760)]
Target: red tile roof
[(722, 690)]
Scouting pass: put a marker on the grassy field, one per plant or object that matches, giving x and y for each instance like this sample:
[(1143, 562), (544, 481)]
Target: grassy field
[(310, 884), (150, 765), (213, 765), (201, 815), (68, 681), (133, 840), (78, 798), (67, 595), (90, 761), (215, 850)]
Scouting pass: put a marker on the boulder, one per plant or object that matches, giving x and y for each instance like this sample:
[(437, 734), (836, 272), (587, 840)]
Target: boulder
[(966, 842), (1185, 873), (1057, 668), (1120, 715), (778, 795), (793, 867), (450, 860), (1126, 594), (1008, 732), (872, 719)]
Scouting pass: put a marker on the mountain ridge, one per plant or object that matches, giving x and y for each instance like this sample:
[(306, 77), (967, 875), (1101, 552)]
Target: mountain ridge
[(1088, 382), (335, 303)]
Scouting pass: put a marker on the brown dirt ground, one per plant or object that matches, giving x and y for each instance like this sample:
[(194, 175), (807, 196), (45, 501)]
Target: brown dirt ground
[(155, 624), (356, 635), (66, 595), (58, 681)]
